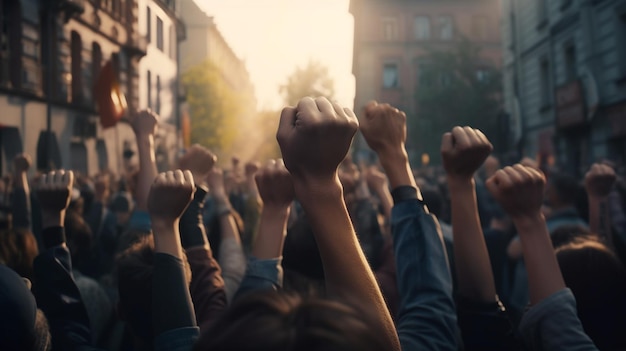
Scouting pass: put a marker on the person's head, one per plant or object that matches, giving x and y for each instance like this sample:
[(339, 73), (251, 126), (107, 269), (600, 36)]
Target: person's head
[(122, 207), (598, 280), (301, 258), (567, 234), (134, 270), (289, 322), (18, 249), (22, 325), (562, 190)]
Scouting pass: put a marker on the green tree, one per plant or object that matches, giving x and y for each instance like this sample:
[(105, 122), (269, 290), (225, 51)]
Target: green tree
[(455, 87), (312, 80), (213, 106)]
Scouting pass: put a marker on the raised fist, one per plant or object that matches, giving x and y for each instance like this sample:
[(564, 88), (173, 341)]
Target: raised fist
[(384, 127), (54, 189), (170, 195), (315, 137), (519, 190), (376, 179), (275, 185), (199, 161), (22, 163), (463, 151), (144, 123), (599, 180), (251, 168)]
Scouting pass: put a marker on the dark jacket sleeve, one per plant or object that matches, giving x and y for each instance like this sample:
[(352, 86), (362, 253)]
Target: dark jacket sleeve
[(58, 296), (427, 317), (486, 326), (20, 203)]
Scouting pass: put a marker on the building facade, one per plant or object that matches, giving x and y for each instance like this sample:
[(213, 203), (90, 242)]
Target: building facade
[(391, 38), (52, 54), (565, 79), (158, 89)]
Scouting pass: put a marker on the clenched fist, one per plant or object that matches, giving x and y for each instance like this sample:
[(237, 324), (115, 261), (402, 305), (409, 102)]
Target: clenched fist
[(599, 180), (144, 123), (170, 195), (315, 137), (251, 169), (275, 185), (519, 190), (22, 163), (463, 151), (54, 189), (199, 161), (384, 128)]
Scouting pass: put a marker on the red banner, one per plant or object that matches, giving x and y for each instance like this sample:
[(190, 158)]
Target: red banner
[(111, 101)]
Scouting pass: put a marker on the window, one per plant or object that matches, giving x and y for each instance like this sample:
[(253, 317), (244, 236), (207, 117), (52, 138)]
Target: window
[(157, 107), (159, 34), (390, 28), (570, 62), (76, 48), (422, 27), (446, 28), (148, 24), (149, 88), (390, 75), (96, 63), (546, 91), (479, 27), (172, 42)]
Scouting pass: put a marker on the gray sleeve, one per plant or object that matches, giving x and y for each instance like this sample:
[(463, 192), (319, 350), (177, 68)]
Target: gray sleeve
[(233, 262), (553, 324)]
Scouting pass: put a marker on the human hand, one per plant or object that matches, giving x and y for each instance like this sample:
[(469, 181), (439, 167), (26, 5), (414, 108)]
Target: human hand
[(314, 138), (599, 180), (169, 196), (384, 128), (53, 191), (463, 151), (519, 190), (275, 185), (251, 169), (376, 179), (144, 123), (22, 163), (199, 161)]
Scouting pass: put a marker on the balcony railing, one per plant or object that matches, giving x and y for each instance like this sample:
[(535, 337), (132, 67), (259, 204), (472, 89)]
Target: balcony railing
[(137, 45)]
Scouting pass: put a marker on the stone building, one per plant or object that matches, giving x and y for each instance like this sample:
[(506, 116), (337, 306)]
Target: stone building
[(565, 79)]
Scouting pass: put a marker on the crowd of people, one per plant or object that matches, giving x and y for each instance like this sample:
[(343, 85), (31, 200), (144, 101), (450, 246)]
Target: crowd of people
[(315, 251)]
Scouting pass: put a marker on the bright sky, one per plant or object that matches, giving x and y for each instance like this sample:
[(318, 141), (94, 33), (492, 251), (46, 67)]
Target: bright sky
[(276, 36)]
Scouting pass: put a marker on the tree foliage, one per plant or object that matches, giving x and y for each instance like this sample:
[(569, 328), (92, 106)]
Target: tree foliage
[(455, 87), (312, 80), (214, 107)]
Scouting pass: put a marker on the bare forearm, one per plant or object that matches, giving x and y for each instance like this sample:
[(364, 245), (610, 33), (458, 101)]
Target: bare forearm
[(147, 170), (544, 274), (396, 165), (272, 231), (599, 219), (347, 272), (167, 238), (473, 269)]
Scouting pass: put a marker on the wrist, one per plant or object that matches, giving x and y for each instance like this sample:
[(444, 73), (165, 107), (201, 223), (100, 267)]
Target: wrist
[(528, 223), (52, 219), (309, 189), (460, 183), (163, 224), (276, 210)]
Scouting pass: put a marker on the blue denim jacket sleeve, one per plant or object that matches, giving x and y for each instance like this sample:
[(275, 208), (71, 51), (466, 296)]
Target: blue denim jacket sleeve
[(553, 324), (261, 275), (427, 317)]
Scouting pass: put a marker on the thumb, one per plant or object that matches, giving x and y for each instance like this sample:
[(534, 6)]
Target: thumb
[(286, 124), (446, 143)]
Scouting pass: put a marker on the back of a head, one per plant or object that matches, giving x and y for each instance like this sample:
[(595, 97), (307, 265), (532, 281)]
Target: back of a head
[(286, 322), (598, 280), (18, 249), (22, 325), (134, 270)]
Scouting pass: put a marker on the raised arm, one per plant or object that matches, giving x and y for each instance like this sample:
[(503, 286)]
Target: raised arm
[(173, 316), (55, 289), (144, 125), (552, 322), (207, 286), (598, 182), (463, 151), (427, 316), (314, 138)]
